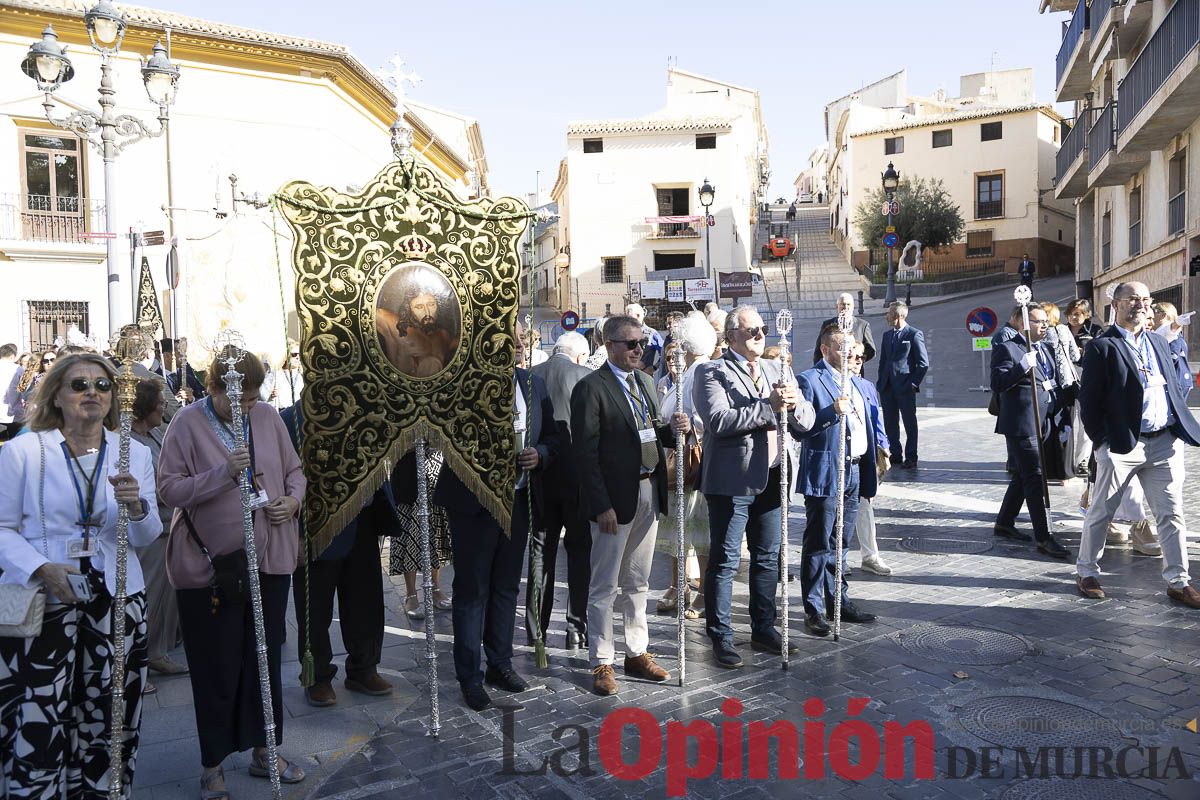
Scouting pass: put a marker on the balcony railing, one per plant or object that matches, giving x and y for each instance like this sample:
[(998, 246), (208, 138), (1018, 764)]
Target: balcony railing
[(1174, 39), (1072, 146), (1135, 239), (989, 209), (1102, 138), (1097, 14), (1071, 39), (1176, 213), (674, 230), (40, 218)]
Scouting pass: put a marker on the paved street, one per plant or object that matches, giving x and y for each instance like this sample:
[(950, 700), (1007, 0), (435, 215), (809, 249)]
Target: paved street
[(987, 642)]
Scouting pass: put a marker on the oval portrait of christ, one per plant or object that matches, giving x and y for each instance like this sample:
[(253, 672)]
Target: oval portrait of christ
[(418, 319)]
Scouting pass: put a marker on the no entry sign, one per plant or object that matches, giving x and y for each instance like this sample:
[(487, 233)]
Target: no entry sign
[(569, 321), (982, 321)]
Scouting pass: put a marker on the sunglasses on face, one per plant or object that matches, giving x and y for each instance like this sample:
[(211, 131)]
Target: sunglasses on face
[(47, 360), (81, 385), (856, 357), (633, 344), (754, 333)]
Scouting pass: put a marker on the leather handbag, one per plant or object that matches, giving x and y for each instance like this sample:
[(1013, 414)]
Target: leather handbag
[(691, 466), (21, 611)]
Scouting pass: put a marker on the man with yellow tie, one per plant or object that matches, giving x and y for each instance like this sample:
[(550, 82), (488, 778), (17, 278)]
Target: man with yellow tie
[(739, 397)]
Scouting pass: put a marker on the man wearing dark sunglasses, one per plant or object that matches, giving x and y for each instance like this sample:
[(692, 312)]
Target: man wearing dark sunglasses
[(738, 397), (619, 438)]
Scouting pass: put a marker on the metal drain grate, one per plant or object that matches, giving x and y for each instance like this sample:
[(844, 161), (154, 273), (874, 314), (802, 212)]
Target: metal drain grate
[(943, 545), (1072, 790), (960, 644), (1029, 722)]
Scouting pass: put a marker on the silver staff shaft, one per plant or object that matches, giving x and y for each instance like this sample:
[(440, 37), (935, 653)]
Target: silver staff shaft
[(839, 524), (233, 382), (783, 325), (680, 520), (1023, 299), (116, 741), (431, 679)]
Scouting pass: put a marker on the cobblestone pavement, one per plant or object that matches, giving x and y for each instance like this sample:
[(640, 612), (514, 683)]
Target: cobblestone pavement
[(988, 642)]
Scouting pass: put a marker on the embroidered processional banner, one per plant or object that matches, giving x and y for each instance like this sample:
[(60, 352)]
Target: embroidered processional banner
[(407, 300)]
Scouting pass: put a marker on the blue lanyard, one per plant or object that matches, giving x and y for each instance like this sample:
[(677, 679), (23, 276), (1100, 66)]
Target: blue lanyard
[(86, 508), (641, 405), (1144, 358)]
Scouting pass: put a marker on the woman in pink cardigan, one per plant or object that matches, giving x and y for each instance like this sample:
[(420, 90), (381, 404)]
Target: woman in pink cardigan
[(198, 474)]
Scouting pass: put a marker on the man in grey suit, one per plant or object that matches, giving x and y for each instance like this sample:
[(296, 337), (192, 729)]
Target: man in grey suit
[(561, 372), (738, 397), (861, 331)]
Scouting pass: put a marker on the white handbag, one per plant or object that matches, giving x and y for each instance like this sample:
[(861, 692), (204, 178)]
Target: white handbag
[(22, 609)]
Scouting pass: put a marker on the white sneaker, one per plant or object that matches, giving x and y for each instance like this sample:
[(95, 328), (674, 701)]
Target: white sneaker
[(1144, 540), (875, 564)]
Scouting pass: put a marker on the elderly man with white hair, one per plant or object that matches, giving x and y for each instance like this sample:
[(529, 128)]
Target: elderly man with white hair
[(652, 355), (862, 329), (561, 372)]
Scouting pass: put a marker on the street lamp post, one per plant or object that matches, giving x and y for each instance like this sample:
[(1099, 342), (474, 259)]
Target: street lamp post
[(891, 180), (707, 194), (47, 64)]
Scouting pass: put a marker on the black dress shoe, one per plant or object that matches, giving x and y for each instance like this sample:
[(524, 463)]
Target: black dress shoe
[(575, 640), (910, 464), (475, 696), (852, 613), (1009, 532), (726, 654), (815, 625), (1052, 548), (506, 679), (772, 643)]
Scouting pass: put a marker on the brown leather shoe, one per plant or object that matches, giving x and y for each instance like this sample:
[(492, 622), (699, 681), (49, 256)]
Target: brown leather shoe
[(643, 666), (320, 694), (1187, 595), (1089, 588), (371, 684), (604, 680)]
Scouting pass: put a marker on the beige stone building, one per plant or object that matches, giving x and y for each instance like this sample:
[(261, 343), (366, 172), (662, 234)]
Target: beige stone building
[(993, 147), (1132, 71)]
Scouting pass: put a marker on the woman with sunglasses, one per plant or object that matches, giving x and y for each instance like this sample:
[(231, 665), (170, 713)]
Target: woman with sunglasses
[(26, 383), (60, 494)]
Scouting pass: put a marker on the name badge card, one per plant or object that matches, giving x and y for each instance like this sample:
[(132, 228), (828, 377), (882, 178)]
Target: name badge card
[(77, 548), (647, 435), (259, 500)]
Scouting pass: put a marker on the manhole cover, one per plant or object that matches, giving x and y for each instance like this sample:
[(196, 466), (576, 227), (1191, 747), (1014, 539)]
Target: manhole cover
[(941, 545), (1032, 722), (1071, 790), (960, 644)]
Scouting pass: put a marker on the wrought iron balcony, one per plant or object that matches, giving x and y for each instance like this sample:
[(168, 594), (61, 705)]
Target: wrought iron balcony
[(42, 218), (1176, 213), (1073, 76), (1101, 136), (1160, 95), (1070, 178)]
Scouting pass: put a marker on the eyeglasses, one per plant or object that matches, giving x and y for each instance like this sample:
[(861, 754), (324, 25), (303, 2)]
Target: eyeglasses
[(294, 355), (857, 357), (81, 385), (754, 333), (48, 360), (1145, 301), (633, 344)]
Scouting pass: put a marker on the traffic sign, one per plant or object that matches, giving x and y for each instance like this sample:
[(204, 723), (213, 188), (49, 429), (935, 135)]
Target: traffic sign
[(981, 343), (982, 321), (711, 221), (887, 208), (890, 229), (890, 239), (569, 321), (895, 207)]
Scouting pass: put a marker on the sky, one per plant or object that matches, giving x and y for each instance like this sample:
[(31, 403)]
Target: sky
[(526, 70)]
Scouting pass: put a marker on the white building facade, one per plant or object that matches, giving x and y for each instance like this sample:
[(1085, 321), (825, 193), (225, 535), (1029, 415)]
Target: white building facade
[(263, 107), (632, 207), (1132, 71), (993, 147)]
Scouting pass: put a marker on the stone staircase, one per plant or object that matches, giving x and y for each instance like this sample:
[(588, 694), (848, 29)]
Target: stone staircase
[(809, 281)]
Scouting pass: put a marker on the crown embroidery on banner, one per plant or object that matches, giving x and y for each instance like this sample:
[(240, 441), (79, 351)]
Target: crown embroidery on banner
[(415, 247)]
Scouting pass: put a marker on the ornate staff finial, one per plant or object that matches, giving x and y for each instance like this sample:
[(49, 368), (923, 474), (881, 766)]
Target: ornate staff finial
[(783, 323), (1022, 294), (230, 347)]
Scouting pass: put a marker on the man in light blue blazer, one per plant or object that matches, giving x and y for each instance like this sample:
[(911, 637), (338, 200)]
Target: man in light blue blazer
[(903, 363), (739, 397), (817, 477)]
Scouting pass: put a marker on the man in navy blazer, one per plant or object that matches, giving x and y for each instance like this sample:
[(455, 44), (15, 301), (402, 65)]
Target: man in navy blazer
[(1020, 365), (1134, 412), (817, 479), (488, 559), (903, 363)]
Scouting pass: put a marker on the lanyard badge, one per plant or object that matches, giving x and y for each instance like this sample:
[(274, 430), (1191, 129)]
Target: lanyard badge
[(86, 546)]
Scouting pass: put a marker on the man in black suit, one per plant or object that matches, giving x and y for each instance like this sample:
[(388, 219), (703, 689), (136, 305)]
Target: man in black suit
[(487, 559), (1020, 365), (903, 363), (862, 329), (1133, 410), (619, 437), (1026, 270), (561, 372)]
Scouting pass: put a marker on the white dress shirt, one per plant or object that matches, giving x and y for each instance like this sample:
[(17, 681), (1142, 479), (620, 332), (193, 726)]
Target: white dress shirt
[(521, 427), (1156, 409), (856, 420)]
